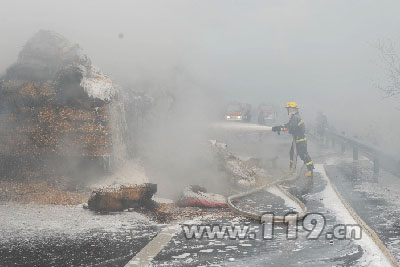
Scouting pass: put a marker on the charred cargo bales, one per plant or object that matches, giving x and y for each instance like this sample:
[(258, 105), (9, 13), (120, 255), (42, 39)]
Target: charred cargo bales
[(120, 197), (55, 104)]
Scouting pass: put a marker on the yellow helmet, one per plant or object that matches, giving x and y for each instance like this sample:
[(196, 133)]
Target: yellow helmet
[(291, 105)]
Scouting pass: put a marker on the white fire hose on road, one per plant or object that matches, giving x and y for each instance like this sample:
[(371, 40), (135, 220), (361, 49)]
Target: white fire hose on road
[(257, 216), (281, 219)]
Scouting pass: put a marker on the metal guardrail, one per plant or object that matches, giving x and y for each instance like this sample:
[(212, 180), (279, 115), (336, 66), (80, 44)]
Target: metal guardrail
[(381, 159)]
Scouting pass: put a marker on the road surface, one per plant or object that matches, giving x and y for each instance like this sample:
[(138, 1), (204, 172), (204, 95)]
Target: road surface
[(72, 236)]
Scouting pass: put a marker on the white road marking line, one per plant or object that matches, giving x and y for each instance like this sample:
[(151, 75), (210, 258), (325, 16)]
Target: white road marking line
[(147, 254)]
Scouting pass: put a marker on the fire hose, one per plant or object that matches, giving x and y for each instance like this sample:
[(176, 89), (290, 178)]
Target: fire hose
[(280, 219), (258, 216)]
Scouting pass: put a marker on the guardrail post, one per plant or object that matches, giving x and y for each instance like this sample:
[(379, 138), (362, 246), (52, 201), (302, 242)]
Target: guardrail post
[(376, 165), (355, 153), (343, 147)]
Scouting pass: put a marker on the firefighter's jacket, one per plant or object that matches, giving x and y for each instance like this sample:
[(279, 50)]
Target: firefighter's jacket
[(296, 128)]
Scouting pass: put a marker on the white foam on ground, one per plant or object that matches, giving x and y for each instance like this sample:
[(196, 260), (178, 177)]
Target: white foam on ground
[(151, 250), (182, 256), (372, 256), (39, 221)]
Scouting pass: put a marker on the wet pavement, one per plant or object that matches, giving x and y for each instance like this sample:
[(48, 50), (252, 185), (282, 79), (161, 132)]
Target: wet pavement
[(375, 198), (259, 252), (265, 201), (70, 236)]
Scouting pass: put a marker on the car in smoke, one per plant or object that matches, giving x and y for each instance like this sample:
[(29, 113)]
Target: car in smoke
[(237, 111), (266, 114)]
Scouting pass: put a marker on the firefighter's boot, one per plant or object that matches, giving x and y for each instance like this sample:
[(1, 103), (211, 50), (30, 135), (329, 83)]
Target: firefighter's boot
[(290, 171), (309, 173)]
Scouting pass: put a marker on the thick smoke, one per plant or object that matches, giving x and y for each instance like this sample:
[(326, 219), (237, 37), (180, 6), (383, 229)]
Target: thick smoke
[(173, 140), (190, 57)]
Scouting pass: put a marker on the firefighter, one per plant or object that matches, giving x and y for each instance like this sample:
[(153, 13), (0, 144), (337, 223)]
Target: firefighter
[(322, 125), (296, 127)]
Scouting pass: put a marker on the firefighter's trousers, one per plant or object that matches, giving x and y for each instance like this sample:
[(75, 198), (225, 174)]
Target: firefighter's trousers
[(301, 148)]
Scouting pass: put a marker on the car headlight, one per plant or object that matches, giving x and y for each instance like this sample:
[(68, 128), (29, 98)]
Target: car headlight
[(239, 117), (228, 117)]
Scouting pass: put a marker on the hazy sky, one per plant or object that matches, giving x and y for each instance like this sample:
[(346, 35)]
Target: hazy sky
[(319, 53)]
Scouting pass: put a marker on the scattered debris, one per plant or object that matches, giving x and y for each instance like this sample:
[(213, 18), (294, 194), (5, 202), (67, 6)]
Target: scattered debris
[(197, 196), (241, 173), (38, 193), (172, 212)]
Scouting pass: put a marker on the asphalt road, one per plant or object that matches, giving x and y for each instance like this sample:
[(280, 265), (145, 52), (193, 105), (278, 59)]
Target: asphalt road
[(376, 198), (72, 236), (259, 252), (33, 235), (318, 196)]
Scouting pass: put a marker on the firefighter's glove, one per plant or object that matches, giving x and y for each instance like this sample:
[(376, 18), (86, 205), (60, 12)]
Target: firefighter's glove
[(277, 129)]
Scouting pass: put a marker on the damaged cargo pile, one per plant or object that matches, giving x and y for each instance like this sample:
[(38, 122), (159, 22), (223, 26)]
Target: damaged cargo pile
[(38, 193), (139, 198), (243, 174), (121, 197), (58, 113), (54, 102), (197, 196)]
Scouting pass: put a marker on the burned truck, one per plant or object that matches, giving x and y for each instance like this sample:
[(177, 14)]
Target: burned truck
[(236, 111), (55, 108), (266, 114)]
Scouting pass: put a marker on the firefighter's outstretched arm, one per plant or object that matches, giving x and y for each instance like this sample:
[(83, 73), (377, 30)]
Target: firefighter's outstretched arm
[(279, 128), (276, 128)]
